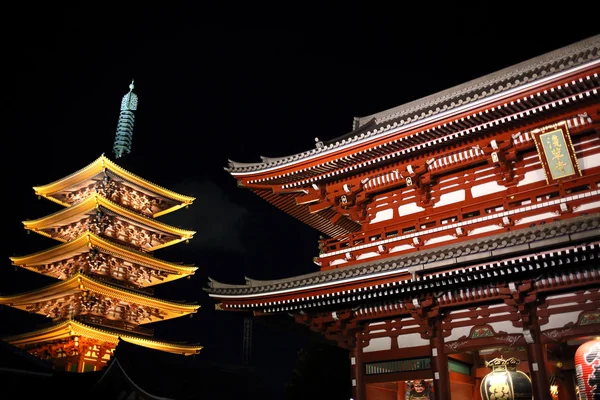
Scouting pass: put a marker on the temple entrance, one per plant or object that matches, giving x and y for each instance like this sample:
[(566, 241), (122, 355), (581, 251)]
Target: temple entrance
[(418, 390)]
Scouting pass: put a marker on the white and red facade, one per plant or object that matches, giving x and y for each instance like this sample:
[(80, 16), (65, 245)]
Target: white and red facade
[(457, 228)]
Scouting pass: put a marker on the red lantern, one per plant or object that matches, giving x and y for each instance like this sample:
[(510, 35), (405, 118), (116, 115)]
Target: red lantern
[(587, 369)]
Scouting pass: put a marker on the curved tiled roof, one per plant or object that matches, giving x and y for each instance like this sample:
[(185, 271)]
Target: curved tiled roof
[(81, 281), (90, 239), (580, 228), (100, 164), (467, 94), (96, 200)]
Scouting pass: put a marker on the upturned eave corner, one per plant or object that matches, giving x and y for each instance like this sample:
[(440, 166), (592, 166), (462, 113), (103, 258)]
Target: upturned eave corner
[(100, 164), (214, 285)]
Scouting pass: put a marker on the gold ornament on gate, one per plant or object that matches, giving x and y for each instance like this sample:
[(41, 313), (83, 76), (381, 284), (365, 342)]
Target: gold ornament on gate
[(505, 382)]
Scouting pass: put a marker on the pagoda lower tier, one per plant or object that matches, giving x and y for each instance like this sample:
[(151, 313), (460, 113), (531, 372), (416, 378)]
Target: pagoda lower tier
[(93, 255), (82, 295), (107, 219), (81, 347)]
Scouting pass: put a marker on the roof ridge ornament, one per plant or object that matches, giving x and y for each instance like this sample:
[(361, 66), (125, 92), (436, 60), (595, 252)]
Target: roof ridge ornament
[(124, 134)]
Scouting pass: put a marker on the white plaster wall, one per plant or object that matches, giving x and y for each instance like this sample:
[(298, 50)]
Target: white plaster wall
[(560, 320), (486, 188), (449, 198), (400, 248), (411, 340), (383, 215), (367, 255), (537, 217), (440, 239), (532, 176), (408, 209), (484, 229), (560, 296), (588, 206), (378, 344), (589, 161), (458, 333)]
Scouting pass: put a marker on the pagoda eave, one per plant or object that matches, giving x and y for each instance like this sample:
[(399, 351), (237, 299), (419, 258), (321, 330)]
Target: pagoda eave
[(72, 329), (90, 205), (43, 301), (100, 164), (89, 241)]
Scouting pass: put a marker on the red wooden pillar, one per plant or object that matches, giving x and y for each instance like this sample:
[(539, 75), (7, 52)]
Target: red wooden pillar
[(357, 370), (477, 386), (439, 364), (401, 390), (537, 364)]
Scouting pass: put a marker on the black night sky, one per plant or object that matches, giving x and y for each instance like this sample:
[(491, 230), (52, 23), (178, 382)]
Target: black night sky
[(218, 83)]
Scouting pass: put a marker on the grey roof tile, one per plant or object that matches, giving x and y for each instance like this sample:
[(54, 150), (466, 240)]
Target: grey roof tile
[(469, 92)]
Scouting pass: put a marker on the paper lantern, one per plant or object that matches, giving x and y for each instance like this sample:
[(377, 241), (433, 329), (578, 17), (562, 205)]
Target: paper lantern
[(505, 382), (587, 369)]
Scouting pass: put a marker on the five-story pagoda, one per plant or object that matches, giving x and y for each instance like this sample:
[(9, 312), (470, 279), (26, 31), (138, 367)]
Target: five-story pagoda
[(104, 263)]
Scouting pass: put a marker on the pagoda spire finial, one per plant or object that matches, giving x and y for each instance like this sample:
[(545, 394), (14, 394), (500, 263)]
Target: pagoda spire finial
[(124, 134)]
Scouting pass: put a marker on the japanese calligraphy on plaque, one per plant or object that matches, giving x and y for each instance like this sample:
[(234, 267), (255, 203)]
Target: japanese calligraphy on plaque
[(556, 152)]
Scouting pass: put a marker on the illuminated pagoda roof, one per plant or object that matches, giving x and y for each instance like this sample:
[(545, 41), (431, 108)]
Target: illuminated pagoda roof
[(445, 267), (89, 207), (97, 171), (34, 262), (71, 328), (80, 284)]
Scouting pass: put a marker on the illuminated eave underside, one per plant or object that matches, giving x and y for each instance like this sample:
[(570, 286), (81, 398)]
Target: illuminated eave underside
[(90, 240), (322, 221), (103, 163), (93, 202), (69, 329), (80, 283)]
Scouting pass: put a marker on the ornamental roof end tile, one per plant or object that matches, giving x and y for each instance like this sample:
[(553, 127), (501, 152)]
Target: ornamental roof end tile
[(214, 284)]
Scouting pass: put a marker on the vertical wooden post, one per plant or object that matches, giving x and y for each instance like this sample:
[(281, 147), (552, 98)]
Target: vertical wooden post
[(439, 363), (537, 364), (401, 391), (357, 370), (477, 386)]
